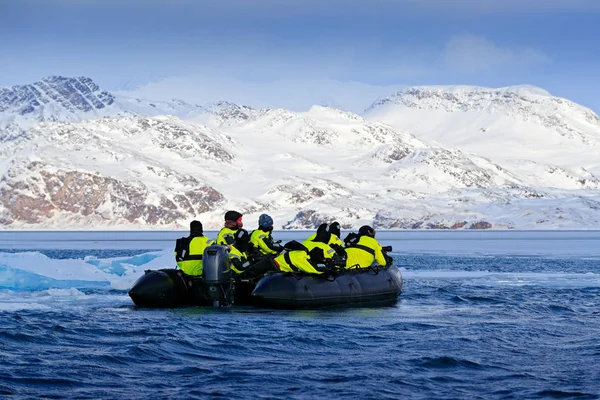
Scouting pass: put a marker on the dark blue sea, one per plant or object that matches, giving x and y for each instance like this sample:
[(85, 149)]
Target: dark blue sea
[(483, 315)]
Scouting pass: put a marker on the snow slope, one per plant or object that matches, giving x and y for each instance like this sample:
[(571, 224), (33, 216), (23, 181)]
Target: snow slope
[(422, 158), (516, 125)]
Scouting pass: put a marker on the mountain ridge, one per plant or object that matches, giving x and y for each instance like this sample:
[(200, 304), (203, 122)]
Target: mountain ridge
[(129, 165)]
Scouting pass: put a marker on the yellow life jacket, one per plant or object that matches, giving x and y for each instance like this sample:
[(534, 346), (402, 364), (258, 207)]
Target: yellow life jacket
[(363, 253), (189, 251), (238, 259), (295, 261), (258, 239), (333, 239), (328, 252), (226, 236)]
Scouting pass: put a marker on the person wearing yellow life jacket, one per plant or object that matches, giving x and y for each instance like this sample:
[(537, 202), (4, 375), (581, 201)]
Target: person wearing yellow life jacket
[(235, 239), (189, 250), (333, 238), (363, 249), (321, 240), (233, 222), (237, 251), (335, 229), (262, 240), (301, 259)]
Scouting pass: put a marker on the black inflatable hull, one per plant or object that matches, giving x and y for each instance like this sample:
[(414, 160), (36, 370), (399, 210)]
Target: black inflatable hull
[(350, 288), (167, 288)]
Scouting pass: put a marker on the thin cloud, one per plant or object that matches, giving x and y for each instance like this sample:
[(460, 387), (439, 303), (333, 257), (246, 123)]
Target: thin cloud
[(538, 6), (296, 94), (474, 54)]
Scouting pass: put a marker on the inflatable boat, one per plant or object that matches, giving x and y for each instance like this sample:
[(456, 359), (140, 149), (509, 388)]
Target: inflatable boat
[(219, 287), (375, 286)]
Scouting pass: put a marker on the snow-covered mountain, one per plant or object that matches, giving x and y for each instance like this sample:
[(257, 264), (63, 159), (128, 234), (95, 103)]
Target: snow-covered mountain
[(518, 127), (63, 99), (92, 160)]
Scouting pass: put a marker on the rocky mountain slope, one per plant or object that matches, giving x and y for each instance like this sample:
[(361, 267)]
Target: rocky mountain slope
[(87, 159), (64, 99)]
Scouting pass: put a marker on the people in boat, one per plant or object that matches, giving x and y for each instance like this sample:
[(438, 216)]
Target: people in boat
[(236, 239), (242, 264), (298, 258), (333, 237), (262, 239), (233, 222), (189, 250), (362, 249), (238, 251), (336, 232), (239, 245), (321, 239), (334, 241)]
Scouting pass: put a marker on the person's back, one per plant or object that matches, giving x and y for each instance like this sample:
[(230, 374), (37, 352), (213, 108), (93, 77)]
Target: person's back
[(189, 250), (363, 250), (237, 251), (333, 238), (328, 252), (301, 260), (320, 240), (334, 234)]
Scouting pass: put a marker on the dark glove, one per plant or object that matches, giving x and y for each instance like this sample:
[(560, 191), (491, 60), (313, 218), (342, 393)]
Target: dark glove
[(333, 270), (340, 251), (330, 266), (338, 261)]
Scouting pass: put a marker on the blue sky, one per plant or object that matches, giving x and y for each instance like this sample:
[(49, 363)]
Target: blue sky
[(294, 53)]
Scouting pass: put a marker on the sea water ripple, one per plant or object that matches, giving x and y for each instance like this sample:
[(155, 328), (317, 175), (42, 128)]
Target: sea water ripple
[(467, 325)]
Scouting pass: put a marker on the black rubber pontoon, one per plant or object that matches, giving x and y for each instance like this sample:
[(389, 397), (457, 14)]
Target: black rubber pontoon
[(375, 286)]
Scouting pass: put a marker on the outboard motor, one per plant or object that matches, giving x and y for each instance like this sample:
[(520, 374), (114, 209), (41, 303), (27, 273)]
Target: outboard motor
[(219, 284)]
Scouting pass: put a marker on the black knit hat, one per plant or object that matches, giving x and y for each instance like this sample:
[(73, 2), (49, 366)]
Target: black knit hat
[(322, 235), (196, 227), (334, 228), (232, 216), (366, 230)]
